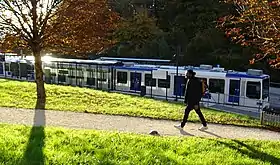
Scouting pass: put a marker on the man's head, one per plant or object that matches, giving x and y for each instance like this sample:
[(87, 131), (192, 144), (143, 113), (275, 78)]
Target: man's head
[(190, 74)]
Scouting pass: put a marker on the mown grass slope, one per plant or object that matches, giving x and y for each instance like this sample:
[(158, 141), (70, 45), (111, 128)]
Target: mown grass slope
[(23, 95), (24, 145)]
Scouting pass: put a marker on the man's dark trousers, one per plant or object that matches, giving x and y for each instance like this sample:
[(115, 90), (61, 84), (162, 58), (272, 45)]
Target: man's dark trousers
[(198, 111)]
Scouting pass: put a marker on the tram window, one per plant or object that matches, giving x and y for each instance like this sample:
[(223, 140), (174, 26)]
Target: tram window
[(2, 58), (102, 76), (204, 83), (265, 89), (253, 90), (102, 79), (149, 81), (7, 66), (91, 81), (122, 77), (80, 73), (203, 80), (164, 83), (216, 85)]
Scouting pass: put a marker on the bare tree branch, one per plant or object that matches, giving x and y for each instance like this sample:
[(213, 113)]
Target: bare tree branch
[(29, 18), (18, 16), (50, 13), (25, 19)]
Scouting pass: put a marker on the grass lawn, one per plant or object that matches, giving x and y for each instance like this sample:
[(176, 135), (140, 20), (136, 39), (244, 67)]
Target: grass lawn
[(23, 95), (38, 145)]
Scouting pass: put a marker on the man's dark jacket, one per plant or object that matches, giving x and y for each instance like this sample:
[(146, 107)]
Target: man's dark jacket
[(194, 91)]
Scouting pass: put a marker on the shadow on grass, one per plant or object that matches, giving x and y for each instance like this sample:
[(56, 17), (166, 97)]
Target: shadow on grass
[(33, 154), (252, 152)]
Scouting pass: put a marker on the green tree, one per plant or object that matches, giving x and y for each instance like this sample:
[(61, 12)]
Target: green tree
[(137, 31), (125, 8), (191, 24)]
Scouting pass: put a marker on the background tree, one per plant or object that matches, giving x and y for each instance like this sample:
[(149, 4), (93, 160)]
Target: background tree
[(125, 8), (81, 27), (192, 26), (9, 43), (137, 32), (256, 24)]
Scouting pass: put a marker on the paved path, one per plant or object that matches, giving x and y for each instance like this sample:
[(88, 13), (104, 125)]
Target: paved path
[(127, 124)]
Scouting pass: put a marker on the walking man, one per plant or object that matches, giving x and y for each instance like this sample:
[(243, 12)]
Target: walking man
[(193, 95)]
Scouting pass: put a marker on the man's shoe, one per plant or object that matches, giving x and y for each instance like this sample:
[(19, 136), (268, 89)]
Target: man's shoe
[(203, 128), (178, 127)]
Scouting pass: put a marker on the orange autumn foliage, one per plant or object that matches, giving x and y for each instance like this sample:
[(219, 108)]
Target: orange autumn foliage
[(82, 26), (78, 27), (257, 24), (65, 26), (12, 43)]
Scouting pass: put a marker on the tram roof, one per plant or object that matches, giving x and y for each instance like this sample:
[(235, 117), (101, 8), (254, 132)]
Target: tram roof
[(120, 63), (93, 62), (78, 61), (134, 59), (200, 71)]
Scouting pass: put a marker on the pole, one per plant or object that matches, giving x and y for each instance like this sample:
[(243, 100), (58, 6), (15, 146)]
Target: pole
[(76, 74), (97, 77), (57, 73), (151, 82), (166, 86), (261, 117), (21, 54), (4, 64), (177, 70)]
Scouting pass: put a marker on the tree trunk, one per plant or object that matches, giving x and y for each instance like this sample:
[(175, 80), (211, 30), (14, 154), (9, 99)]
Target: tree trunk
[(41, 93)]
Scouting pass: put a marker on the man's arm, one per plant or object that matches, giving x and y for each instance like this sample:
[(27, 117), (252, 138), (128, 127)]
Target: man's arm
[(200, 88), (186, 95), (185, 92), (198, 91)]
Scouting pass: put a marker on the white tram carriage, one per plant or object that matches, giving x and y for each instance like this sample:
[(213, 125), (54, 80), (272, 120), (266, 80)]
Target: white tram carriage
[(249, 89)]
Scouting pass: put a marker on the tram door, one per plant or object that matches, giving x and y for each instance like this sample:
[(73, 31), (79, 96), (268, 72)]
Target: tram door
[(1, 68), (179, 85), (135, 81), (234, 91)]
